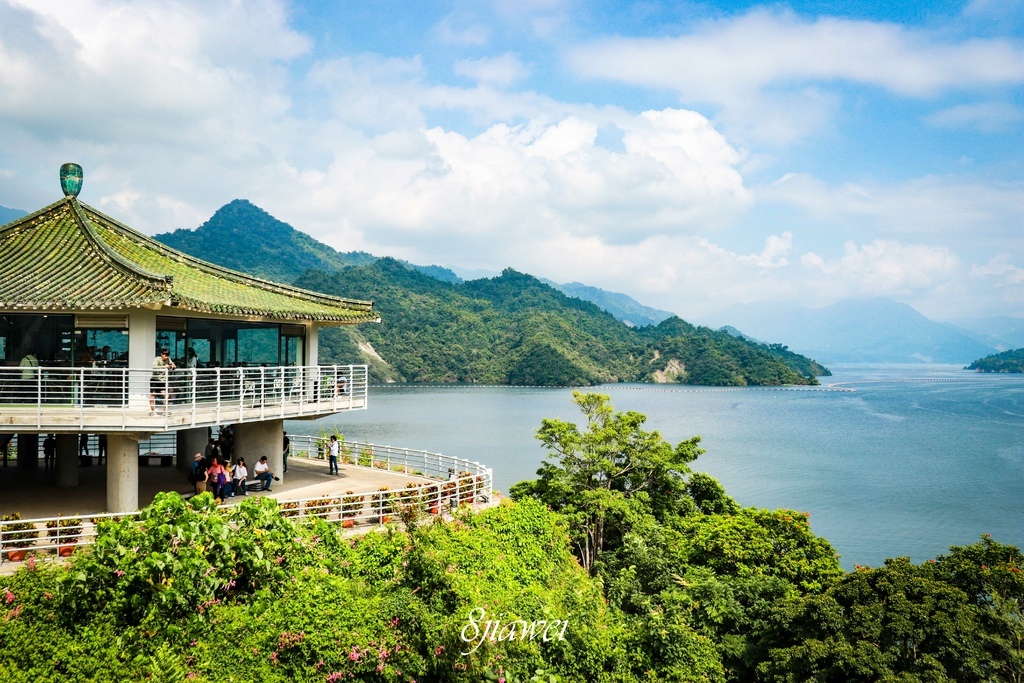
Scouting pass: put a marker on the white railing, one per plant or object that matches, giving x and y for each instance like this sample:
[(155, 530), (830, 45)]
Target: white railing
[(451, 482), (70, 399)]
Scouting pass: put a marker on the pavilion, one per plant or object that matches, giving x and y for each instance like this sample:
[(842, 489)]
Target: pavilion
[(87, 304)]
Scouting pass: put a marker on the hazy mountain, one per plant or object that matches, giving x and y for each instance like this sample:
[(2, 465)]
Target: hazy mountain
[(856, 331), (7, 215), (622, 306), (1002, 332)]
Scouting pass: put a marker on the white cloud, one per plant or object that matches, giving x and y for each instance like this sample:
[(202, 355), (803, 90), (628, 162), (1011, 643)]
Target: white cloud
[(957, 210), (176, 108), (503, 70), (754, 63), (987, 117)]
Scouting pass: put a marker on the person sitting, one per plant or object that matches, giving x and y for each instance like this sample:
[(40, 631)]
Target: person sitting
[(264, 474), (240, 474)]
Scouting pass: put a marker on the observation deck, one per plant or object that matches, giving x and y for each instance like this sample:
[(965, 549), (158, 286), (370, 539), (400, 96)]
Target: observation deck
[(63, 400)]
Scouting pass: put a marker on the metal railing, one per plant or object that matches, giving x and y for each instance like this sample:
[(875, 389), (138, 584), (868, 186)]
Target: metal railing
[(66, 399), (448, 483)]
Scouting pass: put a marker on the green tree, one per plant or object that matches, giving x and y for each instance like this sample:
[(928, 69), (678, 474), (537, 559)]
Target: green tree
[(607, 476)]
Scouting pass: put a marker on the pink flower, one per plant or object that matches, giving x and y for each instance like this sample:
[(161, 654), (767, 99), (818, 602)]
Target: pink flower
[(354, 655), (8, 596)]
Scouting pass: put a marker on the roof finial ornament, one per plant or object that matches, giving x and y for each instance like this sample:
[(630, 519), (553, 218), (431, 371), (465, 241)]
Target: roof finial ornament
[(71, 179)]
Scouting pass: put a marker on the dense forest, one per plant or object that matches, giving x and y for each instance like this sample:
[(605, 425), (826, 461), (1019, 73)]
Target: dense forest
[(1007, 361), (515, 329), (618, 563), (511, 329)]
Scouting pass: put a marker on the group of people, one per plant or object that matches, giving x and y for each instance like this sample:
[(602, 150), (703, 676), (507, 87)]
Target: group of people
[(225, 481)]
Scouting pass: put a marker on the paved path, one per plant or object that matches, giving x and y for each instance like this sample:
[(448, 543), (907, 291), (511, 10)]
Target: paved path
[(33, 494)]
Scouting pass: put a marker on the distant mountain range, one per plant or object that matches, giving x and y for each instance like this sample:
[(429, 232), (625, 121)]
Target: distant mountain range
[(857, 331), (511, 329), (621, 306), (7, 215)]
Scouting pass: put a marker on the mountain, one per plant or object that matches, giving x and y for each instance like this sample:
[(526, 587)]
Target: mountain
[(857, 331), (510, 329), (1007, 361), (7, 215), (622, 306), (242, 236), (515, 329), (1000, 332)]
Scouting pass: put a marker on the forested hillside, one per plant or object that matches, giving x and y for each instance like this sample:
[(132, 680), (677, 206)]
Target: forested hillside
[(1007, 361), (515, 329), (510, 329)]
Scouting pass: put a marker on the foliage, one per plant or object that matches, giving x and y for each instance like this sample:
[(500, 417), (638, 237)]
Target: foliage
[(18, 534), (1007, 361), (514, 329), (603, 477)]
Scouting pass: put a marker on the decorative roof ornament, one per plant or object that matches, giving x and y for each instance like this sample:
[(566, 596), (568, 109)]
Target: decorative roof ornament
[(71, 179)]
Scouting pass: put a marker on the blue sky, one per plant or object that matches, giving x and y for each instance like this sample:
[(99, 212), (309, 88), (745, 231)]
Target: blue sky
[(693, 155)]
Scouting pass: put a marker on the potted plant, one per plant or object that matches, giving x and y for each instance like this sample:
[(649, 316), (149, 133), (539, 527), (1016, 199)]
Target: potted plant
[(322, 507), (430, 498), (66, 532), (17, 534), (448, 491), (383, 504), (351, 506), (366, 457), (467, 487), (289, 508)]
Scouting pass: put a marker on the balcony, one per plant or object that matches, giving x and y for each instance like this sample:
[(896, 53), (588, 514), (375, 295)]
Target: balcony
[(59, 399)]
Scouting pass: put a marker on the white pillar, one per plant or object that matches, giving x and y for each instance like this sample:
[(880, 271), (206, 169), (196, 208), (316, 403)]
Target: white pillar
[(190, 442), (122, 472), (141, 352), (253, 440), (312, 345), (66, 466)]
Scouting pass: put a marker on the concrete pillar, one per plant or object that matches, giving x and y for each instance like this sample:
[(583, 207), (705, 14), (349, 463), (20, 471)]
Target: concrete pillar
[(312, 345), (122, 472), (66, 467), (141, 352), (190, 442), (28, 451), (253, 440)]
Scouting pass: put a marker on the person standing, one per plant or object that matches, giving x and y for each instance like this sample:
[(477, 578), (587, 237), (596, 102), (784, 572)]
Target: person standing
[(287, 449), (162, 364), (198, 474), (333, 452), (29, 378), (49, 451), (101, 452)]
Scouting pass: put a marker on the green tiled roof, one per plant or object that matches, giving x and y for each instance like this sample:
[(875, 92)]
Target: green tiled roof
[(70, 256)]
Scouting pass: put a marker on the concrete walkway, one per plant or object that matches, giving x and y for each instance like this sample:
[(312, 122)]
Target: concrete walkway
[(33, 494)]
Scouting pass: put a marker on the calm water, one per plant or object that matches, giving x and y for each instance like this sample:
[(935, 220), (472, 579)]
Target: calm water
[(908, 464)]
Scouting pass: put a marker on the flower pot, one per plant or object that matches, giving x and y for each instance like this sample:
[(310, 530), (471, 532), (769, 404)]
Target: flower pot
[(66, 550), (385, 519), (433, 509), (348, 523), (16, 555)]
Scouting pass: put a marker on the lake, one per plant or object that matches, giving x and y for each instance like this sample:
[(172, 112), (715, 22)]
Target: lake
[(916, 458)]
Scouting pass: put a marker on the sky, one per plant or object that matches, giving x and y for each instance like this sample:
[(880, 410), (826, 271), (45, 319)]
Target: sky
[(694, 155)]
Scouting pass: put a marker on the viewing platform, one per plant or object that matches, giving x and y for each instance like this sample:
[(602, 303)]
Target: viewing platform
[(103, 399)]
